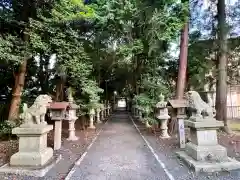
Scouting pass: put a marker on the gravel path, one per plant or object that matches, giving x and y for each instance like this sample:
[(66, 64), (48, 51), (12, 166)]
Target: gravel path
[(119, 153)]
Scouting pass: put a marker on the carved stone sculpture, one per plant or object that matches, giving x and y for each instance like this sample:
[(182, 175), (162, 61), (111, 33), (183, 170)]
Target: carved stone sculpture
[(36, 113), (196, 103), (203, 153)]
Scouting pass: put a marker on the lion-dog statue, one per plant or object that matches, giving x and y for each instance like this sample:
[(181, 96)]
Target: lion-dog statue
[(36, 113), (200, 107)]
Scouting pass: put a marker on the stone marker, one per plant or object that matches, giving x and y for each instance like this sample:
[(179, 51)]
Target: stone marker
[(162, 116), (181, 130), (204, 153)]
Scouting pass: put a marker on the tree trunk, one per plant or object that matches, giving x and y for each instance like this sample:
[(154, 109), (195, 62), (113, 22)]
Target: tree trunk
[(25, 9), (182, 68), (17, 91), (221, 94), (60, 90)]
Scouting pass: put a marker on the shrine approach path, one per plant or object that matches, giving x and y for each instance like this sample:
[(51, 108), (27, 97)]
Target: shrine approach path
[(119, 153)]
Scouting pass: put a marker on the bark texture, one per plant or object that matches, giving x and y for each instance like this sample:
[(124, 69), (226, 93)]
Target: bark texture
[(221, 94)]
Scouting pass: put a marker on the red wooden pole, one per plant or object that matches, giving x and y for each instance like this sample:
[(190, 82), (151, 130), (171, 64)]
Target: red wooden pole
[(182, 68)]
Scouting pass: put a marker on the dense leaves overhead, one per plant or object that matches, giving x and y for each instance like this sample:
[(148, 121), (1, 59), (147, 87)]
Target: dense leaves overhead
[(117, 45)]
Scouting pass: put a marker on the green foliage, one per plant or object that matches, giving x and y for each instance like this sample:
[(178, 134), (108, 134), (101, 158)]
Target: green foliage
[(66, 10), (112, 45), (147, 100), (6, 128), (59, 35)]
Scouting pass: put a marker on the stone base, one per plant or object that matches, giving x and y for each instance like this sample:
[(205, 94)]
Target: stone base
[(31, 158), (38, 171), (202, 153), (209, 167), (33, 150), (199, 123)]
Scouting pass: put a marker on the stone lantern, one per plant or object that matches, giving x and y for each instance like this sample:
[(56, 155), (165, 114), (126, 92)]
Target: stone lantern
[(72, 117), (102, 112), (58, 112), (105, 110), (134, 111), (162, 116), (98, 110), (108, 109), (91, 118), (140, 115)]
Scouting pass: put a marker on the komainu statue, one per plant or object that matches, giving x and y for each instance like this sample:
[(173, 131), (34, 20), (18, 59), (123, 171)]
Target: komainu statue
[(200, 107), (36, 113)]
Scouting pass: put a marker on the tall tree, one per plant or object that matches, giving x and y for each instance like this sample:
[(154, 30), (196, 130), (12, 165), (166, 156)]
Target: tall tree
[(182, 68), (221, 94), (22, 11)]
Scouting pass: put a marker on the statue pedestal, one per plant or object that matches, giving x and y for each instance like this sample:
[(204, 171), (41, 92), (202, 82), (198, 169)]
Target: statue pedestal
[(204, 153), (33, 150)]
